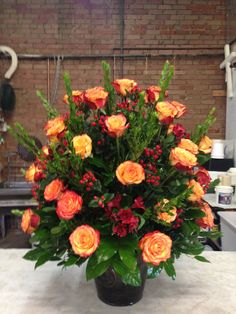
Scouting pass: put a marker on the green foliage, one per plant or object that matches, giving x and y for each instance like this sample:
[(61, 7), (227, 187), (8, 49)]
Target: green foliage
[(51, 111), (201, 129)]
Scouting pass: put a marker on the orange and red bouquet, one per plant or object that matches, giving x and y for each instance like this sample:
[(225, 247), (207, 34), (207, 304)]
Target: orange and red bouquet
[(120, 177)]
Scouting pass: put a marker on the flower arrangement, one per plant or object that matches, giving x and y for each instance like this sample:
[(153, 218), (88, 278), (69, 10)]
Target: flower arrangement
[(119, 178)]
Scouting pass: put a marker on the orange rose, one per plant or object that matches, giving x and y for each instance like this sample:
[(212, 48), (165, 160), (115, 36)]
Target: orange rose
[(30, 221), (156, 247), (130, 172), (165, 213), (153, 93), (68, 205), (53, 190), (166, 111), (84, 240), (205, 145), (77, 97), (197, 191), (188, 145), (96, 97), (123, 86), (31, 172), (183, 157), (82, 145), (181, 109), (208, 220), (116, 125), (54, 126)]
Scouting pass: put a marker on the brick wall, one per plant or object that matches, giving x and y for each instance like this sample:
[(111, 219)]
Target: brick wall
[(66, 27)]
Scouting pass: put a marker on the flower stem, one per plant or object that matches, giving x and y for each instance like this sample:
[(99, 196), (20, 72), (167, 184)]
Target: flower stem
[(118, 147)]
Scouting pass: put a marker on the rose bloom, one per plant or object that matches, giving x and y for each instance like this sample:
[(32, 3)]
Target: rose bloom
[(77, 97), (165, 110), (197, 191), (84, 240), (96, 97), (53, 190), (130, 172), (167, 216), (188, 145), (30, 221), (82, 145), (153, 93), (156, 247), (68, 205), (203, 176), (205, 145), (181, 109), (123, 86), (54, 126), (183, 157), (208, 220), (116, 125), (31, 172)]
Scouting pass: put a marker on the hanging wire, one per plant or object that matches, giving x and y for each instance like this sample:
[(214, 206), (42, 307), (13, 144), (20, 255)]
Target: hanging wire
[(56, 80)]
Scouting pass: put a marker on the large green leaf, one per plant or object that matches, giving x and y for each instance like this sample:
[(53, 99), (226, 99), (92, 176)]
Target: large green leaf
[(33, 255), (129, 277), (95, 269), (44, 258), (105, 250), (169, 268), (128, 257)]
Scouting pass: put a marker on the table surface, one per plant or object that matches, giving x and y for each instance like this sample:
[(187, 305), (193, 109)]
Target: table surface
[(211, 199), (200, 288)]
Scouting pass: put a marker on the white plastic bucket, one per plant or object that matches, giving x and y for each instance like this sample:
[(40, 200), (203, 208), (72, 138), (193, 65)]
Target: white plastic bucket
[(224, 195)]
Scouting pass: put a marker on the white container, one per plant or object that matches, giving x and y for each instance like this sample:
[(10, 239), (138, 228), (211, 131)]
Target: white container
[(228, 228), (218, 149), (224, 194)]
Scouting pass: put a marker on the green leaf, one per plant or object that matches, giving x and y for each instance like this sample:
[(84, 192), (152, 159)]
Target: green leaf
[(17, 212), (33, 255), (129, 277), (51, 111), (43, 259), (108, 197), (201, 259), (40, 234), (93, 203), (97, 162), (169, 268), (48, 209), (128, 257), (105, 250), (154, 271), (58, 230), (95, 269), (72, 260), (196, 213)]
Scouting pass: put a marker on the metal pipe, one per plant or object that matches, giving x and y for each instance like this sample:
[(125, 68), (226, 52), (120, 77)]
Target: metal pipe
[(111, 56), (167, 48)]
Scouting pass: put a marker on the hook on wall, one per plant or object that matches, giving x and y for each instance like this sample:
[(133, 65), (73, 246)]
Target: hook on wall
[(14, 61)]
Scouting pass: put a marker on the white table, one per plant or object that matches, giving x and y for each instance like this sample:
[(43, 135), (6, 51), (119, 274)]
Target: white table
[(200, 288)]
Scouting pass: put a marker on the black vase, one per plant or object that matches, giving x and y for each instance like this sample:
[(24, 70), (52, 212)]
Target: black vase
[(111, 290)]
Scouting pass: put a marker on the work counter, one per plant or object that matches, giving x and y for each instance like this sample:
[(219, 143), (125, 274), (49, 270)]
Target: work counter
[(200, 288)]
